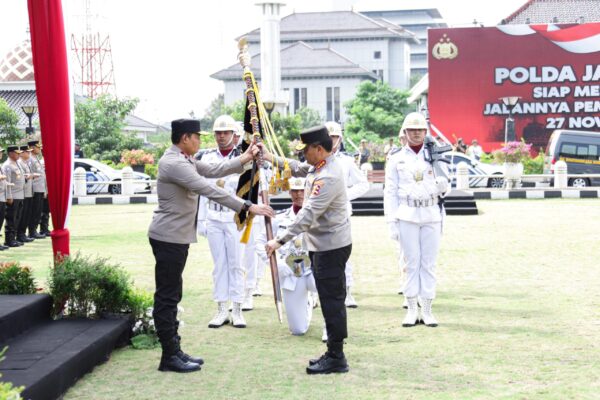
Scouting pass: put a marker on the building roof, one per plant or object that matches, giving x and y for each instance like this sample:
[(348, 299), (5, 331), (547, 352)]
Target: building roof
[(18, 98), (333, 25), (134, 123), (300, 60), (555, 11), (17, 65), (434, 13)]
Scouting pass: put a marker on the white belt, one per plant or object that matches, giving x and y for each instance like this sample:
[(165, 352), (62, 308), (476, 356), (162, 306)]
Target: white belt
[(419, 202)]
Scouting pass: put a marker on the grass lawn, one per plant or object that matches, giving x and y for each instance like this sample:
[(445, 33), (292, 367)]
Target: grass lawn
[(518, 305)]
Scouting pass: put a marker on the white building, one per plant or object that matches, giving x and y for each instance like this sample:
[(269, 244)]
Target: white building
[(416, 21), (324, 57)]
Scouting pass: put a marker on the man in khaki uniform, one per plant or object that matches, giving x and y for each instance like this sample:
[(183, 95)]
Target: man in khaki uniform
[(14, 196), (27, 195), (181, 179), (325, 221), (39, 189)]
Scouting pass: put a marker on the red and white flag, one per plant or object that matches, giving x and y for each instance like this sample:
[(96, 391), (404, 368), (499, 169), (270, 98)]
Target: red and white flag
[(581, 38)]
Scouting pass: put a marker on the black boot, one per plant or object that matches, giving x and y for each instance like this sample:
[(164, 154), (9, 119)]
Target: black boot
[(184, 356), (36, 235), (333, 361), (171, 362), (24, 239)]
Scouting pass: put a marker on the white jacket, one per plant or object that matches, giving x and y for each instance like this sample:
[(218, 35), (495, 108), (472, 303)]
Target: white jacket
[(412, 189)]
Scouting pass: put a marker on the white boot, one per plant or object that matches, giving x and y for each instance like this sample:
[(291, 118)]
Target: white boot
[(222, 316), (412, 315), (428, 318), (257, 291), (350, 302), (248, 303), (236, 315), (324, 336)]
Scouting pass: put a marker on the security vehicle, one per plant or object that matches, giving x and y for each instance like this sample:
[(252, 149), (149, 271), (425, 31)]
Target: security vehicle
[(96, 173), (580, 150), (475, 168)]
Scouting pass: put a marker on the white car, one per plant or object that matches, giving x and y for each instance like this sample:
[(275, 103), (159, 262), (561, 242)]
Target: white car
[(475, 168), (96, 173)]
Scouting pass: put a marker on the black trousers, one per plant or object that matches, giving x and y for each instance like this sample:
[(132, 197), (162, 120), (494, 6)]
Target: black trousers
[(2, 213), (45, 218), (170, 262), (329, 272), (36, 212), (25, 217), (13, 217)]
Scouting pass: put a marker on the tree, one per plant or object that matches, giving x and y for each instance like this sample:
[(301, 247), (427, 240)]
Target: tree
[(9, 133), (99, 124), (309, 117), (376, 112)]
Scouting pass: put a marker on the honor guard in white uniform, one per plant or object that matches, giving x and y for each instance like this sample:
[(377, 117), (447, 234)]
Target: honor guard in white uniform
[(295, 275), (414, 213), (15, 177), (356, 184), (217, 223)]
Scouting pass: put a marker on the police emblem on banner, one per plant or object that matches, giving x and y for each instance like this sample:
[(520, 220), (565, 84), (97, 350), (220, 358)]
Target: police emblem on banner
[(444, 49)]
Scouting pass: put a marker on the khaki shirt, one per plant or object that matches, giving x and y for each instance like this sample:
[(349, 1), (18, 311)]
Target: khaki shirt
[(36, 166), (180, 180), (324, 214), (28, 186), (16, 176)]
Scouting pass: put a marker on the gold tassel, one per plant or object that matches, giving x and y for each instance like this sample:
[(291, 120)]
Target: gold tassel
[(285, 185), (287, 172), (246, 235)]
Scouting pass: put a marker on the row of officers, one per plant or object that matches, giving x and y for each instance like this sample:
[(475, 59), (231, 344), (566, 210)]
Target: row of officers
[(24, 209)]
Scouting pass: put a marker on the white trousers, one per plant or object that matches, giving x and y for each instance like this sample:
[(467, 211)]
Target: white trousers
[(349, 276), (250, 258), (421, 244), (228, 274), (297, 308)]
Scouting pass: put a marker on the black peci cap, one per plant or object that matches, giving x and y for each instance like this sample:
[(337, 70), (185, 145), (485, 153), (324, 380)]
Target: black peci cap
[(316, 134)]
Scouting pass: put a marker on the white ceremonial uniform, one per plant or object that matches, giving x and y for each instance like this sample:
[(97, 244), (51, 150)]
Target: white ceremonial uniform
[(357, 185), (295, 286), (216, 222), (253, 264), (412, 208)]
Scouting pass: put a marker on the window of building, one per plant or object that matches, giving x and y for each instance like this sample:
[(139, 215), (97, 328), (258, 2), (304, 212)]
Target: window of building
[(333, 103), (300, 98), (377, 55)]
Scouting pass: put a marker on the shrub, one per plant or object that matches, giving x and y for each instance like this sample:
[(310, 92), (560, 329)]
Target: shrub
[(136, 157), (7, 390), (152, 170), (15, 279), (535, 165), (88, 287), (143, 331), (513, 152)]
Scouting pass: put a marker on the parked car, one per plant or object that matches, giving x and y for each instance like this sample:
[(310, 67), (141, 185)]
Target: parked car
[(475, 168), (97, 172), (580, 150)]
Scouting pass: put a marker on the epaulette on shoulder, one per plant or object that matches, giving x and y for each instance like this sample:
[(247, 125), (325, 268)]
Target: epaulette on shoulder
[(396, 150), (204, 152)]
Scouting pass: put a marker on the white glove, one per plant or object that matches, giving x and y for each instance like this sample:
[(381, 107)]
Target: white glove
[(394, 234), (201, 228), (441, 184)]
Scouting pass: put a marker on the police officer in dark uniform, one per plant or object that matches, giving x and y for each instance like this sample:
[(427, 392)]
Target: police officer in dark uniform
[(325, 221)]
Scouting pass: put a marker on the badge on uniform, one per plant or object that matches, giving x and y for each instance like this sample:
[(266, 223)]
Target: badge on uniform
[(221, 183), (317, 187)]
